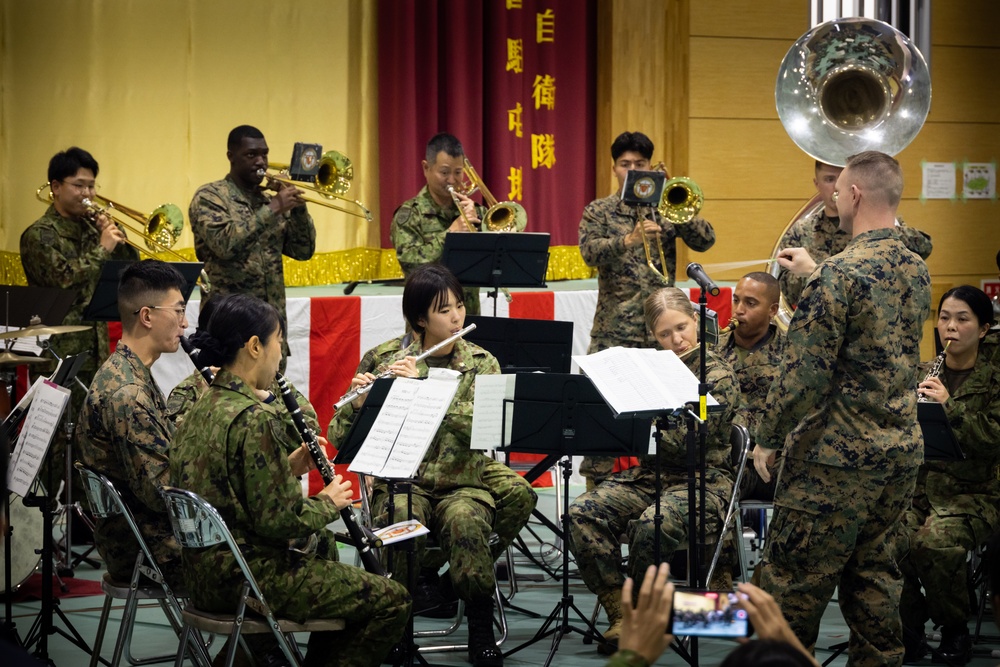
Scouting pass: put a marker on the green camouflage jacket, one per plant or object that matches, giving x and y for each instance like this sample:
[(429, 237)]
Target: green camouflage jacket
[(756, 370), (624, 280), (845, 393), (123, 433), (823, 238), (241, 240)]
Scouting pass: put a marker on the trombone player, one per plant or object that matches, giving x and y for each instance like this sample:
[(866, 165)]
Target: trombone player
[(241, 233)]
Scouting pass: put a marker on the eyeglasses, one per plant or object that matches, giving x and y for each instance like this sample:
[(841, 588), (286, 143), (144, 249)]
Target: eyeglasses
[(179, 311), (80, 186)]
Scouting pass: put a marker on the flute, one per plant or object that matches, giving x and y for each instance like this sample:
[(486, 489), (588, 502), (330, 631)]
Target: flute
[(364, 389), (362, 540)]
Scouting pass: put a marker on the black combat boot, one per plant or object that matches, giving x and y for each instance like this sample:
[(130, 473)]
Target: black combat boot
[(483, 651), (956, 644), (914, 647)]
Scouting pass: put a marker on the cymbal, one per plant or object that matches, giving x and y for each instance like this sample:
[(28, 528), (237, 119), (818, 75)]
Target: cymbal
[(43, 330), (8, 358)]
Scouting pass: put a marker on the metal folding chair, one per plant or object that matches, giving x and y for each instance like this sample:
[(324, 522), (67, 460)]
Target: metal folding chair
[(739, 439), (147, 582), (198, 525)]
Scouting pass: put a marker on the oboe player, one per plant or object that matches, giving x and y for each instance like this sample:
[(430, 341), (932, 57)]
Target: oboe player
[(230, 449), (461, 494), (955, 503)]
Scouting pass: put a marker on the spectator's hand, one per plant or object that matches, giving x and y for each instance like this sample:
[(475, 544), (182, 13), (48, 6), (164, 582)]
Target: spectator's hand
[(762, 458), (798, 261), (767, 619), (644, 626)]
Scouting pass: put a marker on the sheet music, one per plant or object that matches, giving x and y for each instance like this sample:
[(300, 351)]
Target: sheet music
[(29, 345), (39, 426), (641, 380), (487, 414), (373, 454)]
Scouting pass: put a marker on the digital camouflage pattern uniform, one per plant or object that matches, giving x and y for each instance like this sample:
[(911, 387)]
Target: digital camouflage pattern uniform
[(231, 450), (756, 370), (461, 494), (241, 241), (822, 237), (417, 233), (624, 502), (956, 505), (845, 398), (624, 280), (124, 434)]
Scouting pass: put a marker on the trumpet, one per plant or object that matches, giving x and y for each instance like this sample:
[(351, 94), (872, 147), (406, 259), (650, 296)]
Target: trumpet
[(333, 180), (386, 373), (505, 216)]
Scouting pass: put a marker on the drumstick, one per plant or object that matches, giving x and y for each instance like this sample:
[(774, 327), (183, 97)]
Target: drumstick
[(727, 266)]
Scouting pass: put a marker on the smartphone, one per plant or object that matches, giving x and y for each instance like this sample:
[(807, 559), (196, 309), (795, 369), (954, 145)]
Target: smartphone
[(708, 614)]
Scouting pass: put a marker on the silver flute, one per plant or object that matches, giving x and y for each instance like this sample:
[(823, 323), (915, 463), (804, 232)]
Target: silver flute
[(365, 388)]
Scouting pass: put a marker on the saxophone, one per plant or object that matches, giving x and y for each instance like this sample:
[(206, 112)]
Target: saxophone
[(934, 371)]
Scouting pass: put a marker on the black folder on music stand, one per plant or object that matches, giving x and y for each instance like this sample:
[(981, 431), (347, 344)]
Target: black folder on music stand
[(103, 307), (523, 346), (940, 443), (495, 260), (20, 304)]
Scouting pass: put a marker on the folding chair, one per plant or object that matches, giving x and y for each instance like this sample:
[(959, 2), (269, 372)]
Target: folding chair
[(198, 525), (739, 439), (106, 502)]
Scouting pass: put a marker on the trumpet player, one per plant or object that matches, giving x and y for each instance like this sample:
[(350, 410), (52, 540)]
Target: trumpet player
[(241, 233), (611, 239), (420, 224), (955, 503)]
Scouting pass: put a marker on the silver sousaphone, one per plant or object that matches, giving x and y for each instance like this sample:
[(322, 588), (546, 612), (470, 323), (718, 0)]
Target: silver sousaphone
[(847, 86)]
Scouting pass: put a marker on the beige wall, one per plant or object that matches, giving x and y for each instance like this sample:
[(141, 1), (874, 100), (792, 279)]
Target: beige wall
[(753, 176)]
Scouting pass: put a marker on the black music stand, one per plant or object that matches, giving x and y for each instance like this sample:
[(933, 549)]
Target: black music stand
[(940, 443), (523, 346), (20, 304), (103, 306), (560, 415), (496, 260)]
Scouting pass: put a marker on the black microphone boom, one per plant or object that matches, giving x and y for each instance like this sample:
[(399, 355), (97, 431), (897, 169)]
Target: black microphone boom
[(697, 273)]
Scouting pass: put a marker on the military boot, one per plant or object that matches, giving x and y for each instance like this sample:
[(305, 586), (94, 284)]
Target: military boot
[(956, 644), (612, 603), (483, 651)]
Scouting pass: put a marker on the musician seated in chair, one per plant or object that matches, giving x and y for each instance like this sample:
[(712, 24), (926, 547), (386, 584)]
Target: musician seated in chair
[(625, 501), (955, 506), (123, 431), (461, 494), (231, 450)]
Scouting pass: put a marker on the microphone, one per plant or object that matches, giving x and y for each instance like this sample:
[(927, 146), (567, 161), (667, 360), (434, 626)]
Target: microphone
[(697, 273)]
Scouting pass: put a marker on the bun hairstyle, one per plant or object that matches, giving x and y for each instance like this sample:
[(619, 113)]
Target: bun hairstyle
[(664, 299), (236, 319)]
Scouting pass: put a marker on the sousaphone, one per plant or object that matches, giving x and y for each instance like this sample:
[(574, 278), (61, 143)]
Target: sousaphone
[(847, 86)]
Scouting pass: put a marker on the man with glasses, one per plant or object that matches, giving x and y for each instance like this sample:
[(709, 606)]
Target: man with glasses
[(123, 431)]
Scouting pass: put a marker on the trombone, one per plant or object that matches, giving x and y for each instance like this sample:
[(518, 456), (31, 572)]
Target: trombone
[(505, 216), (681, 200), (332, 181), (160, 229)]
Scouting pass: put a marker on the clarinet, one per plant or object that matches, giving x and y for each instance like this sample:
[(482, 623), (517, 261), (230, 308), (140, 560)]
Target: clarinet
[(935, 370), (357, 533), (192, 352)]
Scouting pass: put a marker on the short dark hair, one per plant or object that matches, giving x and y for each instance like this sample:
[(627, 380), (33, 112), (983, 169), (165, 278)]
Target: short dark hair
[(443, 142), (425, 288), (238, 134), (770, 283), (766, 653), (998, 260), (632, 141), (975, 298), (66, 163), (820, 164), (140, 283), (237, 318)]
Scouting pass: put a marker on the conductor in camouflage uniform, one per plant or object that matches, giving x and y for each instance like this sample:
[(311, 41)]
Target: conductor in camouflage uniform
[(845, 398), (123, 431), (241, 233), (451, 494), (611, 234), (956, 504), (624, 503), (419, 225), (820, 236), (231, 450)]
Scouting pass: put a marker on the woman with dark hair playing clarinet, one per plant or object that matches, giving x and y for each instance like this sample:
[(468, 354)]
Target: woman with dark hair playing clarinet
[(230, 450)]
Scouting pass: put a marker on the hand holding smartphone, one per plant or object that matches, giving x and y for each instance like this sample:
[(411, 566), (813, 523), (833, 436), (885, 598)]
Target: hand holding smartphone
[(700, 613)]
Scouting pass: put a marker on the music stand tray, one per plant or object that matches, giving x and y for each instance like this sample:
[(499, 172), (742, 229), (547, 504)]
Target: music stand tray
[(523, 346), (103, 307), (940, 443), (490, 259)]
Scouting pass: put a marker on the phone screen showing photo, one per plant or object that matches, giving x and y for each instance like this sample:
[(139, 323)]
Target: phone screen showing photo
[(708, 614)]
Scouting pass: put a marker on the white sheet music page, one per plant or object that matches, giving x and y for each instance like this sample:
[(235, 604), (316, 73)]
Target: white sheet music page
[(487, 414), (375, 450), (40, 425), (427, 411)]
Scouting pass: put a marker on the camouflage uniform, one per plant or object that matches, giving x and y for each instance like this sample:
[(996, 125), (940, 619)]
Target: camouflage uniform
[(956, 506), (624, 281), (845, 397), (461, 494), (756, 370), (624, 502), (123, 433), (230, 450), (418, 229), (822, 237), (241, 241)]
